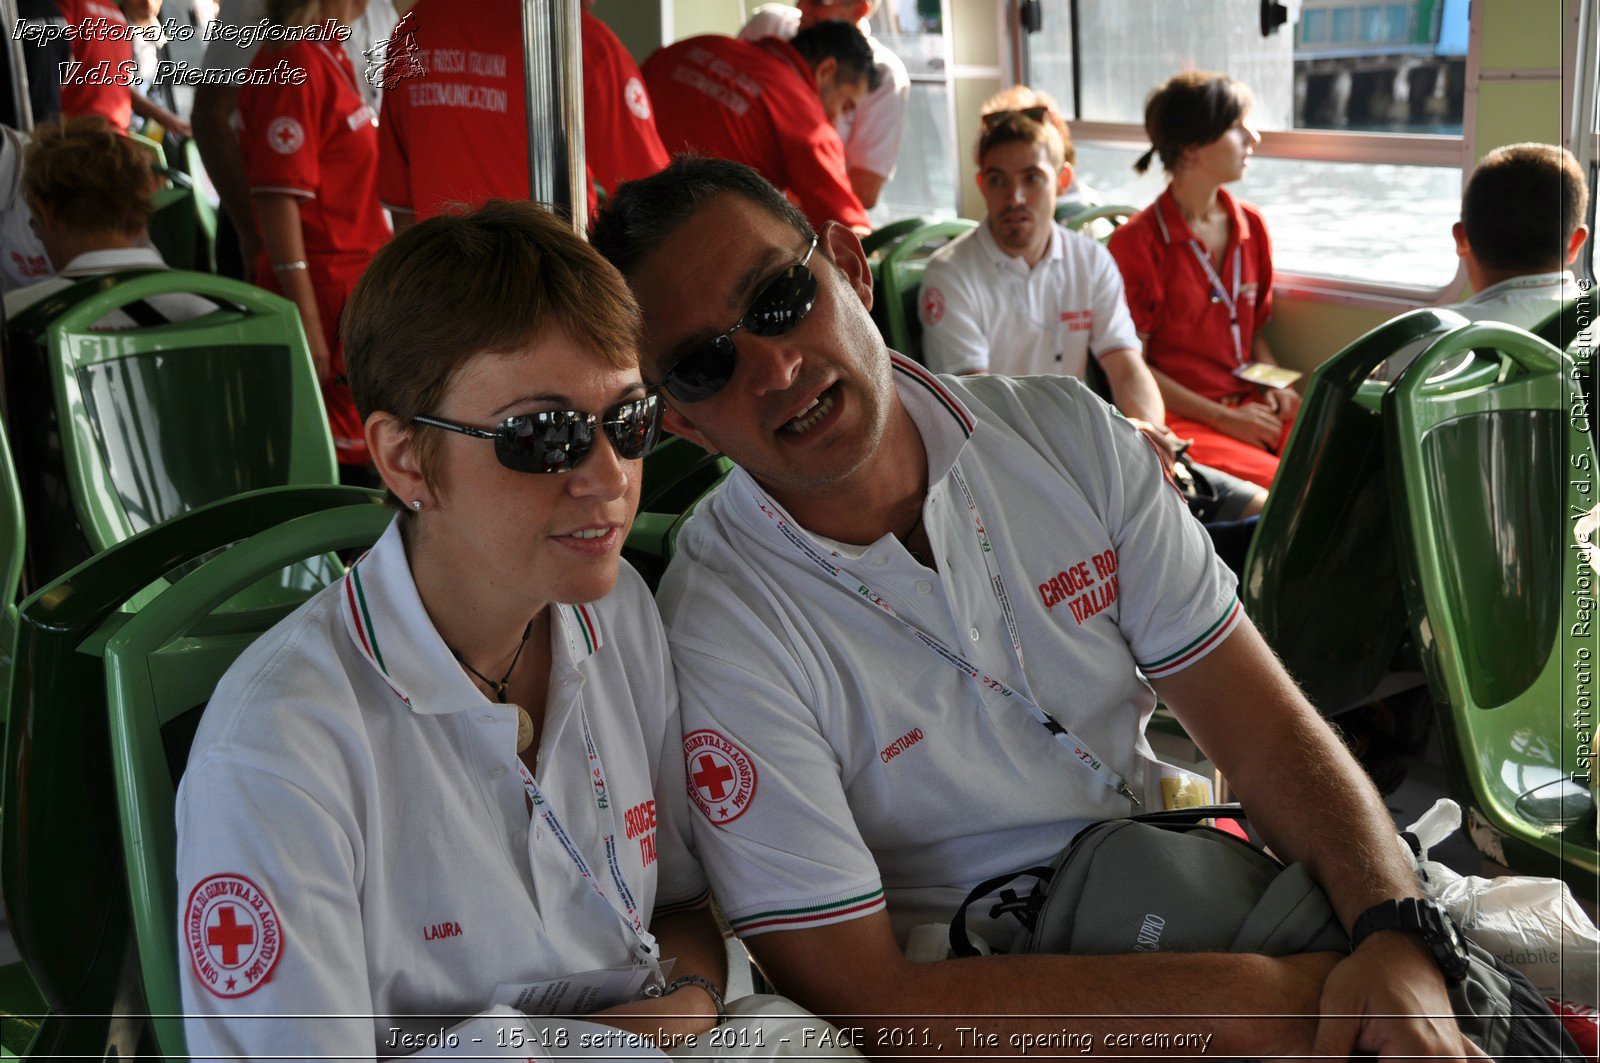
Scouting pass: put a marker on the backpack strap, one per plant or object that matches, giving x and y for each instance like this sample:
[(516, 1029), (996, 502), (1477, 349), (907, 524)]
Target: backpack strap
[(1024, 908)]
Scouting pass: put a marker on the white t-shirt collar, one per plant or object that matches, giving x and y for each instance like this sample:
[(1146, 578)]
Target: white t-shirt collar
[(1009, 263), (1560, 278), (113, 259)]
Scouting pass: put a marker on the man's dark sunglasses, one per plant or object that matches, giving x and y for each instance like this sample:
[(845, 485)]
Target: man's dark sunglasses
[(1034, 114), (557, 440), (778, 307)]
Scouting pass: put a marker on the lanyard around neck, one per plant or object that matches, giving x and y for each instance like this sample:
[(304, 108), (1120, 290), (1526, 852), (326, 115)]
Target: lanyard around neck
[(1220, 294), (623, 905), (1080, 750)]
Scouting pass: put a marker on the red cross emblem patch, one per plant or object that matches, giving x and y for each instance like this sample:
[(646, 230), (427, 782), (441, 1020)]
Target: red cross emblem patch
[(721, 777), (637, 99), (233, 935), (285, 135), (932, 306)]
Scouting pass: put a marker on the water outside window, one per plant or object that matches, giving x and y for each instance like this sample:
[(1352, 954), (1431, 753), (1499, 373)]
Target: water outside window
[(925, 180)]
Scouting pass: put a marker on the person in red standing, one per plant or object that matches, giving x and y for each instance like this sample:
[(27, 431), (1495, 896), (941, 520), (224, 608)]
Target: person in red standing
[(1197, 268), (103, 71), (310, 153), (456, 129), (771, 105)]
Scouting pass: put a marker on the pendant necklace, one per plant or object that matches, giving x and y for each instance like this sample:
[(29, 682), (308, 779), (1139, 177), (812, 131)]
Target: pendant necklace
[(524, 719)]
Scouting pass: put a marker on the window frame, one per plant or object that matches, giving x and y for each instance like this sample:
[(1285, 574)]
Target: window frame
[(1319, 145)]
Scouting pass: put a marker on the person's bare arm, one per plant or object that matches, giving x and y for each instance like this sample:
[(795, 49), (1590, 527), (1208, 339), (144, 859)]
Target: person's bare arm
[(150, 110), (1312, 803), (693, 939), (219, 150), (855, 975), (867, 185), (285, 242), (1133, 388), (1250, 421)]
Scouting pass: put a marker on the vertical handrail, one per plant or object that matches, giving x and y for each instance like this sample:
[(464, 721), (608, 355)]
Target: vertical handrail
[(19, 72), (553, 70)]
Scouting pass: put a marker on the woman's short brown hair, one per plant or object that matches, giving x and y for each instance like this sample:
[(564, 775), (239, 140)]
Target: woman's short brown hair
[(89, 176), (492, 280), (1191, 109)]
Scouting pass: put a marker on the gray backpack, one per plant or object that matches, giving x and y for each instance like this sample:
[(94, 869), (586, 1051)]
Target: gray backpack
[(1165, 882)]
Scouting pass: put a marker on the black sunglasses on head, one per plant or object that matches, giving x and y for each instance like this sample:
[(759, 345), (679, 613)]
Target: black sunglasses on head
[(558, 440), (1035, 114), (779, 306)]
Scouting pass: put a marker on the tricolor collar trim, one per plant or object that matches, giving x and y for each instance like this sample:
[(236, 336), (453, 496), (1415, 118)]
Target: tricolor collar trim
[(582, 630), (920, 376)]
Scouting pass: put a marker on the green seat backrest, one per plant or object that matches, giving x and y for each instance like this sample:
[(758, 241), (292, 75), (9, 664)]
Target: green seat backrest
[(160, 671), (1572, 329), (1492, 480), (1115, 213), (901, 274), (1319, 580), (61, 868), (12, 543), (881, 239), (676, 474)]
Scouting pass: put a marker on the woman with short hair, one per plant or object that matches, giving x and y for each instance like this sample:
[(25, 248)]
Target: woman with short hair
[(1197, 268)]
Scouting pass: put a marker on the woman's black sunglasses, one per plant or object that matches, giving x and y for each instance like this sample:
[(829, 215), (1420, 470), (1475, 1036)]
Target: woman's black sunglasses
[(557, 440), (1033, 114), (778, 307)]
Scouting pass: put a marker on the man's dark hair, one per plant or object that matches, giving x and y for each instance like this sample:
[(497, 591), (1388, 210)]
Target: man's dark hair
[(838, 40), (1522, 205), (643, 212)]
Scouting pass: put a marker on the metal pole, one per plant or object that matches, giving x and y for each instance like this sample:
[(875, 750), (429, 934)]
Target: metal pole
[(553, 71), (19, 72)]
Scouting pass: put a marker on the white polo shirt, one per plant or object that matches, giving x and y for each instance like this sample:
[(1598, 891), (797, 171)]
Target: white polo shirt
[(353, 828), (1527, 302), (174, 306), (23, 260), (983, 309), (839, 762), (872, 131)]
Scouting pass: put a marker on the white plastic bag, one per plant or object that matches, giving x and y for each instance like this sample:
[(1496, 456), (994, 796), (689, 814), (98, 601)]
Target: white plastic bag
[(1532, 924)]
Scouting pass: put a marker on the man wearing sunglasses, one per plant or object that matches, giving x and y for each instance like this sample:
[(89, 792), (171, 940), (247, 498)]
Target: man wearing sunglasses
[(872, 131), (912, 633)]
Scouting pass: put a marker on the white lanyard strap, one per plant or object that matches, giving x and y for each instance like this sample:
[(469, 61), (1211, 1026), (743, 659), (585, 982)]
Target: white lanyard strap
[(623, 906), (1081, 752), (1220, 294)]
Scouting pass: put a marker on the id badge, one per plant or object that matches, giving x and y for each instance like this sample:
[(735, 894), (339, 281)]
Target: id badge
[(1272, 376), (578, 994), (1167, 787)]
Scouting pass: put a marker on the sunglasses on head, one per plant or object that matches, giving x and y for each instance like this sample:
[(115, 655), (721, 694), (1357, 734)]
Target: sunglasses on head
[(778, 307), (1036, 114), (558, 440)]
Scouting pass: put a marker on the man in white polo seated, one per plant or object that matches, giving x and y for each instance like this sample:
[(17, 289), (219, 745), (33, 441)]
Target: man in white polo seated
[(1023, 295)]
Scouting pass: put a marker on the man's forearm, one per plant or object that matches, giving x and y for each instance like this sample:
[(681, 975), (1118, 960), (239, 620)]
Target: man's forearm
[(219, 150), (1133, 389)]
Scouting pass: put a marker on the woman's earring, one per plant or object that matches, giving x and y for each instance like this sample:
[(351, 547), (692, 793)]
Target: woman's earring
[(416, 503)]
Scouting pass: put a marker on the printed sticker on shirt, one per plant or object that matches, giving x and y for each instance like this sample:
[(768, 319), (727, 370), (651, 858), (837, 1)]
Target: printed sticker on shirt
[(233, 935), (721, 776), (1084, 589), (932, 306), (285, 135), (1078, 320), (637, 99)]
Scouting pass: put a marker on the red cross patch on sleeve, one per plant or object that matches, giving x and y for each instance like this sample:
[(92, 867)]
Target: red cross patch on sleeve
[(233, 935), (285, 135), (721, 777)]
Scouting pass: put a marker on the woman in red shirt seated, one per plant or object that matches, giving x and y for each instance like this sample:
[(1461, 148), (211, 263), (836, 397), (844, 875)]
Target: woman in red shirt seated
[(1197, 268)]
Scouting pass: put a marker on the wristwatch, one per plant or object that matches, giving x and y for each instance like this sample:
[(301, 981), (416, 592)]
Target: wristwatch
[(1428, 921)]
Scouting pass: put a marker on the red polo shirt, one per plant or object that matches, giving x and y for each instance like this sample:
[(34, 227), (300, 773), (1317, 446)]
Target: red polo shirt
[(458, 132), (316, 141), (1185, 328), (89, 88), (619, 125), (756, 104)]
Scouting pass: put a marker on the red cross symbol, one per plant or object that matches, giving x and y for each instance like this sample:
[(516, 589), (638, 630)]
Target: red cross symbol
[(285, 135), (711, 776), (228, 935)]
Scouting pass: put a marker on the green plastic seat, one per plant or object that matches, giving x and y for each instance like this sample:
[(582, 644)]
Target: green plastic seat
[(677, 473), (901, 274), (1115, 213), (61, 853), (151, 422), (884, 237), (160, 673), (1492, 473), (12, 543), (1320, 578)]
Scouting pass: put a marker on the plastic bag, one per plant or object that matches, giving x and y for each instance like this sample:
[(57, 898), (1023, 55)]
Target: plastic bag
[(1532, 924)]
